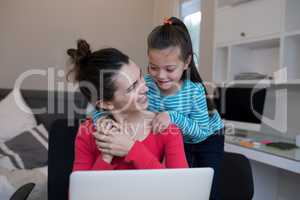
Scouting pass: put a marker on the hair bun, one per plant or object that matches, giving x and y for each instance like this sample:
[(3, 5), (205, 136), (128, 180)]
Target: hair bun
[(83, 48), (72, 53), (82, 53)]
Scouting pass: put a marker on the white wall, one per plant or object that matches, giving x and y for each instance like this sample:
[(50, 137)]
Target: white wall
[(206, 40), (34, 34), (164, 9)]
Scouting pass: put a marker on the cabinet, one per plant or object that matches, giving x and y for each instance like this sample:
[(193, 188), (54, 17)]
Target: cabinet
[(261, 36), (248, 20), (292, 22)]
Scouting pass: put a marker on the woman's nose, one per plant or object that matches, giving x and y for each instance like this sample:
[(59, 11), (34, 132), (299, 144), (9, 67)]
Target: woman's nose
[(143, 89)]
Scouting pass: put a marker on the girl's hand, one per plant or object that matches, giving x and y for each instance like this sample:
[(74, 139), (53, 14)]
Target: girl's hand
[(117, 143), (160, 122), (105, 124)]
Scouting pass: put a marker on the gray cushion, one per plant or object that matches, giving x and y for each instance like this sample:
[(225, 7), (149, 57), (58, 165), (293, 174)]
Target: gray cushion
[(27, 150)]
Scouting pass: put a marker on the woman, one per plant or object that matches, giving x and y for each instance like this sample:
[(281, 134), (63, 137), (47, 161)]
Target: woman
[(114, 84)]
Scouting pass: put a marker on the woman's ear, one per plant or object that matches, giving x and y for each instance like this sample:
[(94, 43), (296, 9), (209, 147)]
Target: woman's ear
[(104, 105), (187, 62)]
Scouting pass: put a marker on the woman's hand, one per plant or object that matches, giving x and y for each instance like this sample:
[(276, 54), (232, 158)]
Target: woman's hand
[(105, 156), (160, 122), (114, 143), (111, 139), (104, 125)]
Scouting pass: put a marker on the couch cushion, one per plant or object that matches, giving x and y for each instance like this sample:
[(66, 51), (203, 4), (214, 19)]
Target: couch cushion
[(15, 115)]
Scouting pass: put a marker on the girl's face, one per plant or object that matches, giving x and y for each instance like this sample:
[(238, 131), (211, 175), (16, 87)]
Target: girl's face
[(131, 90), (166, 68)]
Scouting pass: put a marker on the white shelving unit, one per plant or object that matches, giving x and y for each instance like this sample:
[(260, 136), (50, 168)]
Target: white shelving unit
[(260, 36)]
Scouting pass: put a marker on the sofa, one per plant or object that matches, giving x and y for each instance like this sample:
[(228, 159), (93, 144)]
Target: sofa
[(61, 121)]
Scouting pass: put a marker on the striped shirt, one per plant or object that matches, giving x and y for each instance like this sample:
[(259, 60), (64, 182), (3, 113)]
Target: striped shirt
[(187, 109)]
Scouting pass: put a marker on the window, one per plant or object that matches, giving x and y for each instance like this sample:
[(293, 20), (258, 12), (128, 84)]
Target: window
[(190, 12)]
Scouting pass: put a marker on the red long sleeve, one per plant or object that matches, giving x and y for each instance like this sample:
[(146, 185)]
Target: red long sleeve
[(86, 156), (146, 154), (174, 155)]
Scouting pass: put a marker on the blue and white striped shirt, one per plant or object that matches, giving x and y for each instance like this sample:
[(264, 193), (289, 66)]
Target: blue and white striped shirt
[(187, 109)]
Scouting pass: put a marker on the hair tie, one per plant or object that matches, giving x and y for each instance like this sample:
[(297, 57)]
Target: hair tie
[(167, 21)]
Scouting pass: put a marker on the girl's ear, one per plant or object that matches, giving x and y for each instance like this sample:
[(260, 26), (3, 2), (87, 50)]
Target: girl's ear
[(104, 105), (187, 62)]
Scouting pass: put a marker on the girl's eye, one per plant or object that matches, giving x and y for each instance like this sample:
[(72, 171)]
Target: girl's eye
[(170, 70)]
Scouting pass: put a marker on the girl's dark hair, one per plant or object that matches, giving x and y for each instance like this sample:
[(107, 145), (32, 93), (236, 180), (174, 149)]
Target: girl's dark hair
[(173, 33), (92, 69)]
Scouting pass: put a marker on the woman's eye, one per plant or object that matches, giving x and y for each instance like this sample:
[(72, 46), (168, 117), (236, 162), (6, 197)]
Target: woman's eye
[(131, 88), (153, 68)]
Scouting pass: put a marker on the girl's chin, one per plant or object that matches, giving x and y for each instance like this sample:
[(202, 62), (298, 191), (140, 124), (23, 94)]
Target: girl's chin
[(165, 86), (167, 90)]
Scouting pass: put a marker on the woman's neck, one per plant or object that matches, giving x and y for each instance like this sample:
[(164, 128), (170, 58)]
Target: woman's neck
[(134, 117), (139, 124)]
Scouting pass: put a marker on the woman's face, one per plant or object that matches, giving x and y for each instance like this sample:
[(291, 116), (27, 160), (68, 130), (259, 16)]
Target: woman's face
[(166, 68), (131, 90)]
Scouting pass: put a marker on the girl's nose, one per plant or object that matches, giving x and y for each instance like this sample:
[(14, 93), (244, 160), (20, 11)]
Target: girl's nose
[(161, 74)]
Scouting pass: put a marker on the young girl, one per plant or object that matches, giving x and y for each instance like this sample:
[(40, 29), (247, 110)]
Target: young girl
[(177, 94)]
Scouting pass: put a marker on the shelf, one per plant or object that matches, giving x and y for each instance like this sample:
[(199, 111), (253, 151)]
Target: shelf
[(262, 83), (222, 4), (261, 57), (292, 33), (292, 21), (251, 82), (261, 44), (252, 40)]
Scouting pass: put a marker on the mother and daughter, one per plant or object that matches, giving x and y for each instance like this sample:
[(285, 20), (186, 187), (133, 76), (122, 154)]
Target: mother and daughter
[(160, 120)]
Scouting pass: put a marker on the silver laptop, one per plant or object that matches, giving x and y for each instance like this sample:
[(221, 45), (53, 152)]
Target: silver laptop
[(162, 184)]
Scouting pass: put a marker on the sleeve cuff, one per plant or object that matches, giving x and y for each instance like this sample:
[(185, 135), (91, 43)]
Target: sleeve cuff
[(172, 116), (101, 164)]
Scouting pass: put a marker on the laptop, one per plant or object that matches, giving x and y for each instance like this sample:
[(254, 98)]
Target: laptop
[(162, 184)]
